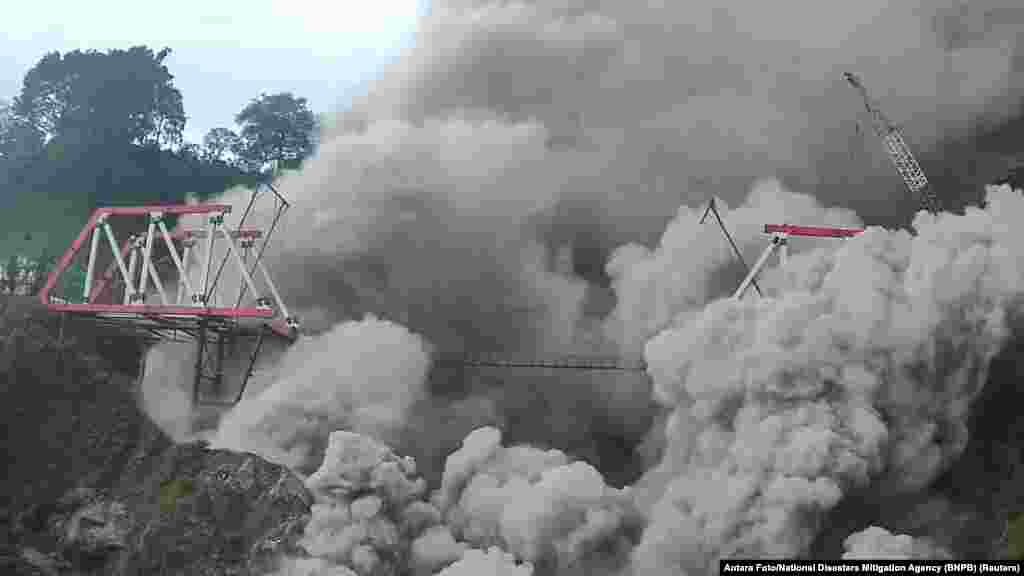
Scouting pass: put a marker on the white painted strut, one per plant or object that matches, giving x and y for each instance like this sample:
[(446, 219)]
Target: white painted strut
[(211, 228), (778, 243), (149, 268), (133, 271), (149, 271), (277, 296), (184, 286), (179, 262), (234, 251), (91, 267), (129, 283)]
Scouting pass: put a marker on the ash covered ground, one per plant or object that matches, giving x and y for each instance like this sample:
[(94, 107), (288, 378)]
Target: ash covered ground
[(528, 179)]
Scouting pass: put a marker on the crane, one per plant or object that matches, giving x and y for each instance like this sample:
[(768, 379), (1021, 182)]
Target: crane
[(897, 149)]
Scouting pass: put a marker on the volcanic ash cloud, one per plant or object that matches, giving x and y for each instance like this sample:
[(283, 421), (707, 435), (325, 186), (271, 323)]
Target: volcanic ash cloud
[(863, 365), (493, 562), (512, 511), (362, 376), (878, 543), (684, 271), (673, 100), (411, 223), (164, 393), (542, 508)]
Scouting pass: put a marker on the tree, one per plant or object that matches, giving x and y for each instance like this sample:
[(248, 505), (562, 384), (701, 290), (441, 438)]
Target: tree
[(5, 114), (275, 127), (18, 140), (219, 141), (97, 129), (322, 123), (89, 98)]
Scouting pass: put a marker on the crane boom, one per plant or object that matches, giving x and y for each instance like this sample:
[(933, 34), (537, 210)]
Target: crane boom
[(897, 149)]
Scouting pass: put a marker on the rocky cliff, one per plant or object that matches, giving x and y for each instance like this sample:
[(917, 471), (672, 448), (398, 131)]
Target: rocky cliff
[(93, 487)]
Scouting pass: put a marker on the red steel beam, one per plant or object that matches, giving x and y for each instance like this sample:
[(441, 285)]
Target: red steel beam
[(65, 260), (815, 231), (281, 328), (178, 209), (97, 214), (243, 233), (146, 310)]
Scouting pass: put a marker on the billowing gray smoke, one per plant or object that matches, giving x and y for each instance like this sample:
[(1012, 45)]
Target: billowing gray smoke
[(506, 185), (477, 192), (863, 365), (512, 129), (677, 100)]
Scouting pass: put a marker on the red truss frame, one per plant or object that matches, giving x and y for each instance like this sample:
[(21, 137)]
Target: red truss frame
[(174, 312), (143, 267)]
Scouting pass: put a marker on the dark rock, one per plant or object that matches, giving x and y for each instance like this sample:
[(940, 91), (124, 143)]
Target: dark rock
[(200, 512), (95, 531), (214, 512), (92, 486), (13, 563)]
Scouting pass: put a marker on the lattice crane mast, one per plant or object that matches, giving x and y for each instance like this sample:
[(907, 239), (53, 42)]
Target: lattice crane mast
[(897, 149)]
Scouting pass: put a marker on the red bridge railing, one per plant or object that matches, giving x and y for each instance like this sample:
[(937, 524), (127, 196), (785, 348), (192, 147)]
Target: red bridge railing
[(814, 231)]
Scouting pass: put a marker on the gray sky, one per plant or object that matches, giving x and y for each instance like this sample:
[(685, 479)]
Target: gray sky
[(225, 51)]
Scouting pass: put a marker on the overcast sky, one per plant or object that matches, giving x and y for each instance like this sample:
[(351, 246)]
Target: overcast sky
[(225, 52)]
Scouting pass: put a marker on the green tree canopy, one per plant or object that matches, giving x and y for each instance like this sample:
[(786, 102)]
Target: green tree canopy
[(219, 141), (91, 97), (18, 140), (275, 127)]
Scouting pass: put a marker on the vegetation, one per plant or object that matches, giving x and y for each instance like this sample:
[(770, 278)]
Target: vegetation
[(93, 98), (275, 128), (25, 276), (172, 490), (1015, 536), (93, 128)]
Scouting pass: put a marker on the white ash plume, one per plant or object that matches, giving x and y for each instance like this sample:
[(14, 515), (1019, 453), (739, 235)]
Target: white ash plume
[(511, 130), (368, 507), (555, 514), (362, 376), (654, 287), (493, 562), (875, 543), (864, 364), (371, 517), (311, 567), (164, 391), (675, 100)]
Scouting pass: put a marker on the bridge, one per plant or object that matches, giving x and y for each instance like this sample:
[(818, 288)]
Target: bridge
[(159, 284)]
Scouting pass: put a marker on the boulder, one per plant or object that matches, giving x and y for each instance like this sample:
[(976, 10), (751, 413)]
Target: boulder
[(199, 512), (215, 512)]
